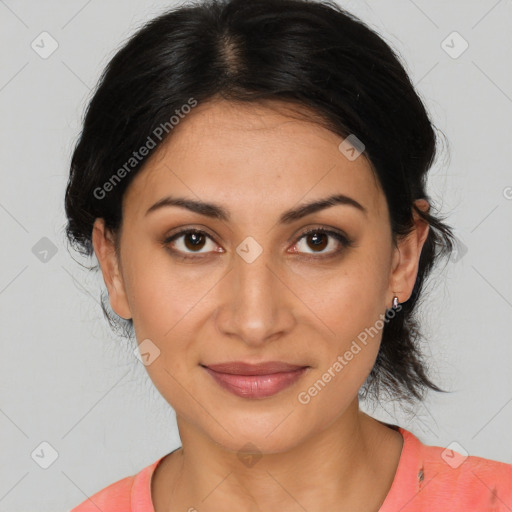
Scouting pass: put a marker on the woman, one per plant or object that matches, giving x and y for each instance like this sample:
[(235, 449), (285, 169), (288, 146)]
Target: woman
[(251, 178)]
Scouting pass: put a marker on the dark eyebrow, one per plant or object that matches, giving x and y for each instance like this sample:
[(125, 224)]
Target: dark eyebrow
[(309, 208), (216, 211), (212, 210)]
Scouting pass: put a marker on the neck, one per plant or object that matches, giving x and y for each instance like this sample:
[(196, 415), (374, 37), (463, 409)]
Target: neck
[(349, 465)]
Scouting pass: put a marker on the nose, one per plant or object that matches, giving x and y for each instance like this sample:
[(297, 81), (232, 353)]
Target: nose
[(257, 306)]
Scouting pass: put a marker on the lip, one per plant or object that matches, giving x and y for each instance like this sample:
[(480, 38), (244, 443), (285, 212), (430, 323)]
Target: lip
[(242, 368), (255, 380)]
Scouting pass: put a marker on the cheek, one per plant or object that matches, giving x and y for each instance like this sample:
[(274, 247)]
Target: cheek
[(351, 320), (345, 300), (349, 306), (161, 293), (170, 304)]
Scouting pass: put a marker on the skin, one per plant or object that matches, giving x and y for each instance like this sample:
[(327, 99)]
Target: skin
[(258, 162)]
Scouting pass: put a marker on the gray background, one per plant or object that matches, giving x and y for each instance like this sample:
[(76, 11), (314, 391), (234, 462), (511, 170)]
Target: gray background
[(65, 378)]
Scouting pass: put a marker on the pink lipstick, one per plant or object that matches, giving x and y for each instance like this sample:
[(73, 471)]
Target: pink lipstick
[(255, 380)]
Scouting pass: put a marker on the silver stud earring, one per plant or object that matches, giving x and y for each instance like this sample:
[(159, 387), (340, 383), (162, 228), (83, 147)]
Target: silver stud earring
[(395, 302)]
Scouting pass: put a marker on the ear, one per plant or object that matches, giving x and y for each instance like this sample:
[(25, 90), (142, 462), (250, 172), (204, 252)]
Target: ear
[(407, 255), (104, 248)]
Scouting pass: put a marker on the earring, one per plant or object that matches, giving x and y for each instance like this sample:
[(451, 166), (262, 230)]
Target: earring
[(395, 302)]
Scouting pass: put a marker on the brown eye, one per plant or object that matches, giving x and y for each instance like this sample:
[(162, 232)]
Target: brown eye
[(318, 241), (194, 240), (190, 241), (315, 241)]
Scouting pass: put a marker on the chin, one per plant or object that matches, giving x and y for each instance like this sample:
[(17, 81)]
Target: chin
[(272, 431)]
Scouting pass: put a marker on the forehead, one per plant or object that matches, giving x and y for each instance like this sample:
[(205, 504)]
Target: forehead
[(263, 157)]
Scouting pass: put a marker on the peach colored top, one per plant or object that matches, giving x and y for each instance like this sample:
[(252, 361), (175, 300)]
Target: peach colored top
[(428, 479)]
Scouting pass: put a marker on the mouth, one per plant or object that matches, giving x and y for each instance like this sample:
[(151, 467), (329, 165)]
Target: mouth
[(255, 380)]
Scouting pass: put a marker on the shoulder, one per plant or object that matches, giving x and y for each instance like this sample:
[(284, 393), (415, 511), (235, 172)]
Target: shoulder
[(115, 496), (128, 494), (451, 479)]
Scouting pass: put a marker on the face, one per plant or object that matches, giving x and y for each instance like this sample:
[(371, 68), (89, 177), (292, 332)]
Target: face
[(251, 286)]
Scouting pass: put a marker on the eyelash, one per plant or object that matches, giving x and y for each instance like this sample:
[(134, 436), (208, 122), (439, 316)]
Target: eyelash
[(342, 239)]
